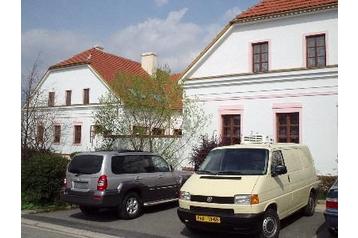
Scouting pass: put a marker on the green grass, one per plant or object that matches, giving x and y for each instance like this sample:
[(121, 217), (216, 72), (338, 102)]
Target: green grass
[(25, 205)]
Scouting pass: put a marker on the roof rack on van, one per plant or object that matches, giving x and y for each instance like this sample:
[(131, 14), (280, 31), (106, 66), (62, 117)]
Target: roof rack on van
[(257, 139)]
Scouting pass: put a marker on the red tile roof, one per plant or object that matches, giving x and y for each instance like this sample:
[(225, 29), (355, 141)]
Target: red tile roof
[(107, 65), (272, 7)]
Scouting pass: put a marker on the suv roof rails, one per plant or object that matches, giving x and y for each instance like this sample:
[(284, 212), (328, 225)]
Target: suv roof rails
[(126, 150)]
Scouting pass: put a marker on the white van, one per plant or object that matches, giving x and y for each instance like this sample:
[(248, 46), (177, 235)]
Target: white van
[(249, 188)]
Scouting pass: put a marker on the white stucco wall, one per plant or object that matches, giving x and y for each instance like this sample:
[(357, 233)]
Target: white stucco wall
[(286, 39), (229, 84), (75, 79)]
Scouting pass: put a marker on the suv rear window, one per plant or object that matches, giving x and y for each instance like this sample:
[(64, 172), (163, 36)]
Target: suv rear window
[(85, 164)]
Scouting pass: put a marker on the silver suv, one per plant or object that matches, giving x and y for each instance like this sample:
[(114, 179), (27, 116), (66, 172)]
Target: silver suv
[(125, 180)]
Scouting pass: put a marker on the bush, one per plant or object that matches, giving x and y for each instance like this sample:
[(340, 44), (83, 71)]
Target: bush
[(202, 150), (325, 184), (42, 177)]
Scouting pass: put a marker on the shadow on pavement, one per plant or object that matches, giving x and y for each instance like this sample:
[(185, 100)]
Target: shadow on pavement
[(109, 214), (201, 234), (322, 232)]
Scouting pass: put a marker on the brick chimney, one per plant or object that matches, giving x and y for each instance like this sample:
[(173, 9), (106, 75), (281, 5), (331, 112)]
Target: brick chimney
[(149, 62)]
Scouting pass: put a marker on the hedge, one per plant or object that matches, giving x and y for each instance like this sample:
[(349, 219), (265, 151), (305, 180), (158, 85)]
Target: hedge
[(42, 177)]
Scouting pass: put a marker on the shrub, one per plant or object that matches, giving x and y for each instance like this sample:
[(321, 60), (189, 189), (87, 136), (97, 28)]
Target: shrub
[(42, 178), (202, 150), (325, 184)]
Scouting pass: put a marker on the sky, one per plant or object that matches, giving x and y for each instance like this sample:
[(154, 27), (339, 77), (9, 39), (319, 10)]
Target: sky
[(177, 30)]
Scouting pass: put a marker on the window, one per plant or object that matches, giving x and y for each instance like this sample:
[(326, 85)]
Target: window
[(287, 127), (236, 161), (131, 164), (40, 133), (231, 129), (85, 164), (57, 134), (260, 57), (178, 132), (86, 96), (158, 131), (159, 164), (277, 159), (316, 51), (77, 134), (68, 97), (51, 99), (93, 131)]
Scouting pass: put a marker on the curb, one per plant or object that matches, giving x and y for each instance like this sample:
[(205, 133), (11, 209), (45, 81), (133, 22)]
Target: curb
[(63, 229)]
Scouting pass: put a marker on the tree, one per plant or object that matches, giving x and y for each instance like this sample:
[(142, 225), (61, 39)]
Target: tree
[(37, 119), (147, 113)]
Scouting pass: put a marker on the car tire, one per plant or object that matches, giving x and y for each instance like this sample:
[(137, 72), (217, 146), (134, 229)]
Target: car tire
[(131, 206), (309, 209), (87, 210), (269, 225)]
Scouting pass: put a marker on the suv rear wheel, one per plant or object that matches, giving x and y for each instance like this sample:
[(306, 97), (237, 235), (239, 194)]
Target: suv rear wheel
[(131, 206)]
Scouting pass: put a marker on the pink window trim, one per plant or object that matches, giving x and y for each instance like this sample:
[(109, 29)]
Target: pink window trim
[(286, 108), (230, 110)]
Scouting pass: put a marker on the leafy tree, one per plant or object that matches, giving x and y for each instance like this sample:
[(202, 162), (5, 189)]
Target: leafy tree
[(148, 113)]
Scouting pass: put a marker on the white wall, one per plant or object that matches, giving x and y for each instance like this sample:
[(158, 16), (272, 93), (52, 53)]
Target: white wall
[(75, 79), (254, 95), (286, 39)]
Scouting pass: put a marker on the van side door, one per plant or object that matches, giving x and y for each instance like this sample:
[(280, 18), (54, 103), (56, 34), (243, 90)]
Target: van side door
[(282, 186)]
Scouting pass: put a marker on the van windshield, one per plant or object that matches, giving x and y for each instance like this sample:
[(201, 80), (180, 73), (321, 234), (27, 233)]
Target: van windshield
[(235, 162), (85, 164)]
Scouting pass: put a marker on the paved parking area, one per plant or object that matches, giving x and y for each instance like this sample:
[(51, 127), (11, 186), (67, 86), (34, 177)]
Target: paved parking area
[(162, 221)]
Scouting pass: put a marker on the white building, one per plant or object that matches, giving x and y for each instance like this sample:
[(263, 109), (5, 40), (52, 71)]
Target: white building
[(273, 70), (74, 87)]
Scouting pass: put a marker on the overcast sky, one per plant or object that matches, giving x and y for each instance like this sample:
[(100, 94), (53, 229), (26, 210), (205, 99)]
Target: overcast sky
[(177, 30)]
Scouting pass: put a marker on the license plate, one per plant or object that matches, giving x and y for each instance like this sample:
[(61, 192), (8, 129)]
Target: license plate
[(209, 219), (80, 185)]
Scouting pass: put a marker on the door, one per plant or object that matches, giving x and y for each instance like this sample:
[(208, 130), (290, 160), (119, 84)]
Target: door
[(282, 188), (167, 183), (136, 170)]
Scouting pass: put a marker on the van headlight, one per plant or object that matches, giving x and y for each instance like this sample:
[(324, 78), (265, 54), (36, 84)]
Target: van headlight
[(184, 195), (246, 199)]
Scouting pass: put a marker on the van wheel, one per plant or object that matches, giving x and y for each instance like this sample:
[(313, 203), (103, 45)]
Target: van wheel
[(270, 225), (131, 206), (311, 205), (87, 210)]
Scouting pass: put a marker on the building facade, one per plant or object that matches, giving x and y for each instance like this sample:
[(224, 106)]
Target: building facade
[(74, 87), (273, 70)]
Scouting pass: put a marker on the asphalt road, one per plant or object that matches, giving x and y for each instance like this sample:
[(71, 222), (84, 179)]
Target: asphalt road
[(162, 221)]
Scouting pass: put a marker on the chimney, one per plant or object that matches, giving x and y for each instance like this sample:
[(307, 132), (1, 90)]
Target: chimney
[(98, 47), (149, 62)]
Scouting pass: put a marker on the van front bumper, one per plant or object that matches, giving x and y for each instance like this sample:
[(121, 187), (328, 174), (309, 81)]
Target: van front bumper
[(106, 198), (238, 223)]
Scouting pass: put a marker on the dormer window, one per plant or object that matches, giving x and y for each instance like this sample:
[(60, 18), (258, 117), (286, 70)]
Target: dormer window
[(51, 99), (86, 96), (260, 57), (316, 51)]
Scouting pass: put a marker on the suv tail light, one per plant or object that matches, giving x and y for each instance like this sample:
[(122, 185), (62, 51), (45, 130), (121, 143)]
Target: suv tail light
[(102, 183), (332, 203)]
